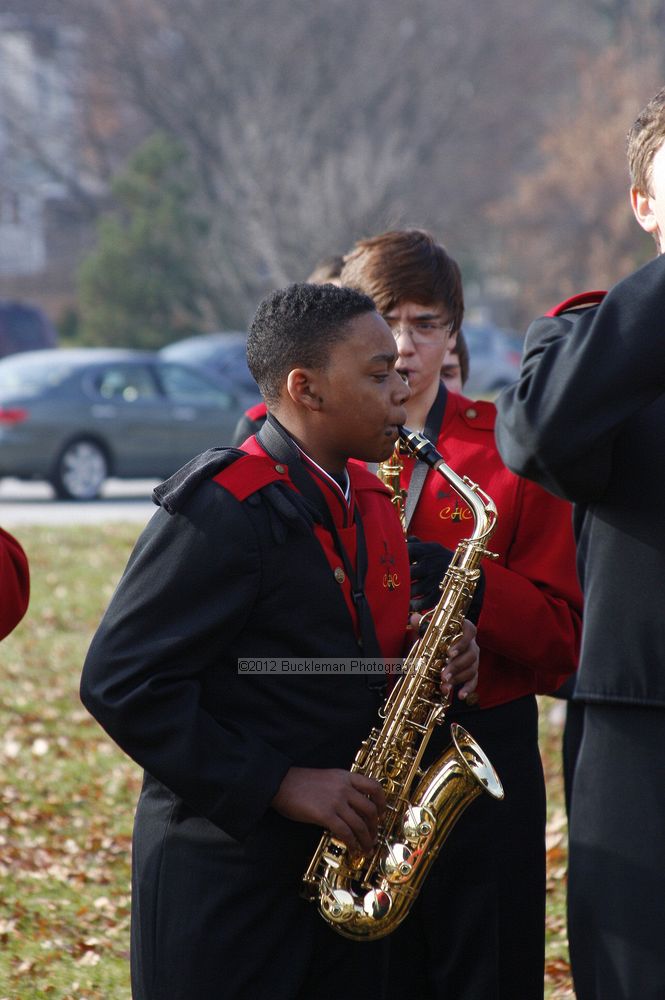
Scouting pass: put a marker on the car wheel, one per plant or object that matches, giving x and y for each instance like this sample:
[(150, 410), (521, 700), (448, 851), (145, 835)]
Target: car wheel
[(81, 471)]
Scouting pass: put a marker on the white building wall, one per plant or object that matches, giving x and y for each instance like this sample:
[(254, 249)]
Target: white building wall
[(36, 129)]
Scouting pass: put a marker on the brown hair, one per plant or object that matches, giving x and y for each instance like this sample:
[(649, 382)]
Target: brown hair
[(644, 140), (327, 269), (406, 266), (462, 351)]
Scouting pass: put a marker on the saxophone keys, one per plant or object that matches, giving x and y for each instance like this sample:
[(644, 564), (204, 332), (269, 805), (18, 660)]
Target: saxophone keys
[(338, 905), (377, 903), (396, 863), (418, 825), (438, 715)]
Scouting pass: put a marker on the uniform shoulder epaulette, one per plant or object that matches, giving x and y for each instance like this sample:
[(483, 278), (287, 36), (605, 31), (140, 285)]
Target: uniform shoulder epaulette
[(477, 413), (251, 473), (172, 493), (257, 411), (585, 300)]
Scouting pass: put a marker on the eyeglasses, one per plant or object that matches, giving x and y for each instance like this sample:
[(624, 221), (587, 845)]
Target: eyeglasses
[(421, 331)]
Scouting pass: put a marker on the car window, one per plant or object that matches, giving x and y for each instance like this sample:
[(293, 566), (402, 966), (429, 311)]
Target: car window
[(28, 378), (181, 384), (126, 382)]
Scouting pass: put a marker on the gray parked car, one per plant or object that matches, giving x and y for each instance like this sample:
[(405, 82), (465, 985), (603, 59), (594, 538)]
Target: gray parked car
[(222, 353), (76, 417)]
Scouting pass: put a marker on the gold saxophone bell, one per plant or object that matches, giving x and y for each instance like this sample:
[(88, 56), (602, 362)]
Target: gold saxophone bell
[(368, 897)]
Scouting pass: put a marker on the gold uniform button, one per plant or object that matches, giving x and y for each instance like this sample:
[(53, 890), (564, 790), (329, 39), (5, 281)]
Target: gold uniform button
[(339, 574), (280, 469), (471, 413)]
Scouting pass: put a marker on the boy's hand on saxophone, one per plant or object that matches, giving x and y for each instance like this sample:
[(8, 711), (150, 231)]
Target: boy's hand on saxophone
[(460, 670), (348, 804), (462, 666)]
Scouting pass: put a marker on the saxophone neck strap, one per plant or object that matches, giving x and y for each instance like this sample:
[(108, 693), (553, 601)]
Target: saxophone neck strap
[(431, 431)]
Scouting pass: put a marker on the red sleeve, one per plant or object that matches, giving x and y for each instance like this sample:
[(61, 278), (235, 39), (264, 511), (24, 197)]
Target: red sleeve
[(533, 604), (14, 583)]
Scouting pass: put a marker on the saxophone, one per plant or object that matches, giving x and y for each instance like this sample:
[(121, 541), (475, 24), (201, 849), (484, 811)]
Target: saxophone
[(390, 473), (367, 897)]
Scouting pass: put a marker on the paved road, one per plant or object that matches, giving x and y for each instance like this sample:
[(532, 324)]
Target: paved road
[(34, 503)]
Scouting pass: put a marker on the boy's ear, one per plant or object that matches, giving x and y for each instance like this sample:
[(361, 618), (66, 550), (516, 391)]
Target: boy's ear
[(642, 205), (302, 387)]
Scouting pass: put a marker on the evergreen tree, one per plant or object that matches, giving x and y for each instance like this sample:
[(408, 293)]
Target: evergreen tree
[(141, 287)]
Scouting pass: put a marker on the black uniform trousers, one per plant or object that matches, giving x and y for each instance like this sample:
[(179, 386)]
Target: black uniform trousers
[(616, 870), (477, 930), (237, 928)]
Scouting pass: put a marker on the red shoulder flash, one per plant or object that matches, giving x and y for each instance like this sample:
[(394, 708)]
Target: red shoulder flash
[(582, 301), (477, 413), (250, 473), (257, 411)]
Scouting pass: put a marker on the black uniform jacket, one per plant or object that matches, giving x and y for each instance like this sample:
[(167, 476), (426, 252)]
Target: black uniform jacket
[(586, 419), (230, 578)]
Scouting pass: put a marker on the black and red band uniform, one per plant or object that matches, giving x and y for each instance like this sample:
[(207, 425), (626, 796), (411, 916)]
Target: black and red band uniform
[(235, 577)]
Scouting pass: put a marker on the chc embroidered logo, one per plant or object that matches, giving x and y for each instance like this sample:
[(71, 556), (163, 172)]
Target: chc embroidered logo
[(391, 580), (455, 513)]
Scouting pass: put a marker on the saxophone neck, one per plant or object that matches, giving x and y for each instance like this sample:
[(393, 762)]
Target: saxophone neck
[(482, 507), (390, 474)]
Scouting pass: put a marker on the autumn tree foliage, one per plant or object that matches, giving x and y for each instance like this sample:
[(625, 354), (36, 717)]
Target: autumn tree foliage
[(310, 125), (568, 227)]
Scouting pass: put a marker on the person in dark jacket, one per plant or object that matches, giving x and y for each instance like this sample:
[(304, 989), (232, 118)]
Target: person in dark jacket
[(257, 561), (14, 583), (478, 929), (586, 419)]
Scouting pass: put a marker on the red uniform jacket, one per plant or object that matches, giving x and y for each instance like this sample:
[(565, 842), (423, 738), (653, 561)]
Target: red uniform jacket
[(530, 624), (14, 583)]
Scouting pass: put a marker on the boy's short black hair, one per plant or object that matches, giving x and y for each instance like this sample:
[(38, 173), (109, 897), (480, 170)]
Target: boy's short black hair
[(296, 327)]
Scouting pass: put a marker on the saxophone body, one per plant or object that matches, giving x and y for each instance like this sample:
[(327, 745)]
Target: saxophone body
[(367, 897)]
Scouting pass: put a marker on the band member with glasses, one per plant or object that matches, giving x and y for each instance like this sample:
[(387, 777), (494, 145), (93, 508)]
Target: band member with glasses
[(478, 927), (14, 583), (257, 561), (586, 419)]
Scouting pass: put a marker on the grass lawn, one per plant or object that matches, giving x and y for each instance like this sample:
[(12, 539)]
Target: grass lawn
[(67, 795)]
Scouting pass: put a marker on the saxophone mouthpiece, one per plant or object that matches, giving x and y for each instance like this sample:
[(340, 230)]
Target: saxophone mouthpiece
[(418, 445)]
